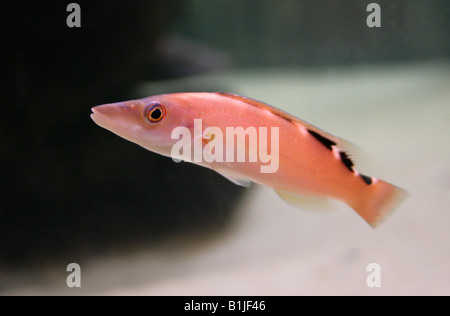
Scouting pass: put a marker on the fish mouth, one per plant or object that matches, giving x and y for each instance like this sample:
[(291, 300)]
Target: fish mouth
[(104, 115), (94, 111), (116, 118), (96, 115), (103, 109), (109, 112)]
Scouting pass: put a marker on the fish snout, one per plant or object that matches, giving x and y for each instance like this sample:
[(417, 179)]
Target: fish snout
[(121, 118), (106, 108), (111, 109), (106, 114)]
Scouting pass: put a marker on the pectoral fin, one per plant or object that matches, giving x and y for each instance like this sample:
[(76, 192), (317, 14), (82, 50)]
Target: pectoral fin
[(236, 180)]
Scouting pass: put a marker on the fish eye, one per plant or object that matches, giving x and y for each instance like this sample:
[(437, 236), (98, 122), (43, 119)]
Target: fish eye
[(155, 112)]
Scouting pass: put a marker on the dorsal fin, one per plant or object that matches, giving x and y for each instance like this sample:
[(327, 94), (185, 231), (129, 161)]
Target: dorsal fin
[(349, 149)]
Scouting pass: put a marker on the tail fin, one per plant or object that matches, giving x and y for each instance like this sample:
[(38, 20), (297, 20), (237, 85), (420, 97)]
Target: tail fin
[(382, 199)]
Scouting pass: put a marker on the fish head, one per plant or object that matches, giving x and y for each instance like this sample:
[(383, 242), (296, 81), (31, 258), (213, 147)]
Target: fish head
[(148, 122)]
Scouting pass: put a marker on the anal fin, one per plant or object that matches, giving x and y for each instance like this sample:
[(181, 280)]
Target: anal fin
[(311, 203)]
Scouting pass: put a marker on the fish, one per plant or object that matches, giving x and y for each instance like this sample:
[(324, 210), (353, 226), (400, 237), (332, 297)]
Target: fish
[(310, 166)]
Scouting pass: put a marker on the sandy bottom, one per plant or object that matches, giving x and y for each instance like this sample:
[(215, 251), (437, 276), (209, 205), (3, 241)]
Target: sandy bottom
[(398, 115)]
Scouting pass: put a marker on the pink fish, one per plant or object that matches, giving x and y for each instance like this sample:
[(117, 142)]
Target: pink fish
[(299, 161)]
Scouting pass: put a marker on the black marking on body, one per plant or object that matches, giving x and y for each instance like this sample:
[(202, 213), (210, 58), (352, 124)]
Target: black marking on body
[(366, 179), (346, 160), (325, 141)]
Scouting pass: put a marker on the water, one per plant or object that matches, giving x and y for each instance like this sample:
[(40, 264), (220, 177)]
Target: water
[(138, 223)]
